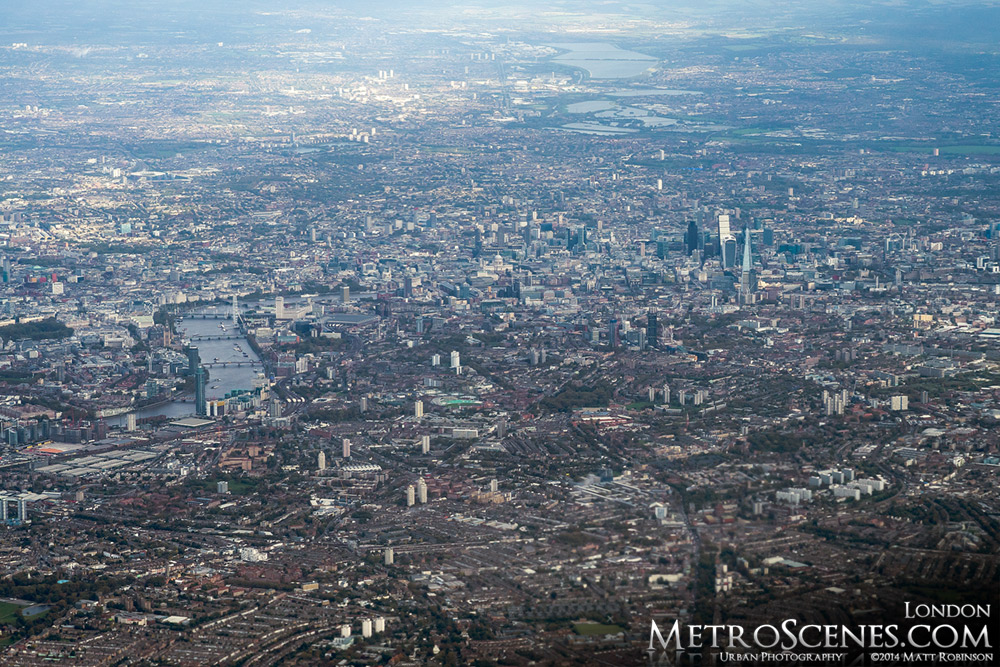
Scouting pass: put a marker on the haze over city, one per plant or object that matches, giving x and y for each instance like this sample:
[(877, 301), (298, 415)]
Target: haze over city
[(520, 333)]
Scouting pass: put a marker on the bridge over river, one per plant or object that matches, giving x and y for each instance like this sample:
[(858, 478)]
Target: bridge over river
[(232, 364)]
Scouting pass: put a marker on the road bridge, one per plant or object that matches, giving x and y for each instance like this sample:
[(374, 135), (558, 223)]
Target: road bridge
[(232, 364)]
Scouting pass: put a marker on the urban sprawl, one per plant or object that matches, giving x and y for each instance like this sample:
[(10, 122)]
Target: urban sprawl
[(351, 340)]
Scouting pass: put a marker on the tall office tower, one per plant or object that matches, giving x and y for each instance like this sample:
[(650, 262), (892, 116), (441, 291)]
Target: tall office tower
[(425, 444), (279, 307), (729, 252), (346, 448), (364, 404), (727, 243), (421, 491), (200, 407), (193, 359), (321, 461), (411, 496), (456, 359), (130, 421), (691, 238), (345, 294), (652, 328), (235, 314), (746, 275), (724, 229), (614, 333), (418, 409)]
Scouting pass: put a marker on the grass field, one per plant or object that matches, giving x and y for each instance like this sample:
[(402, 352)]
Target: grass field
[(237, 486), (979, 149), (750, 131), (9, 612), (588, 629), (964, 149)]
